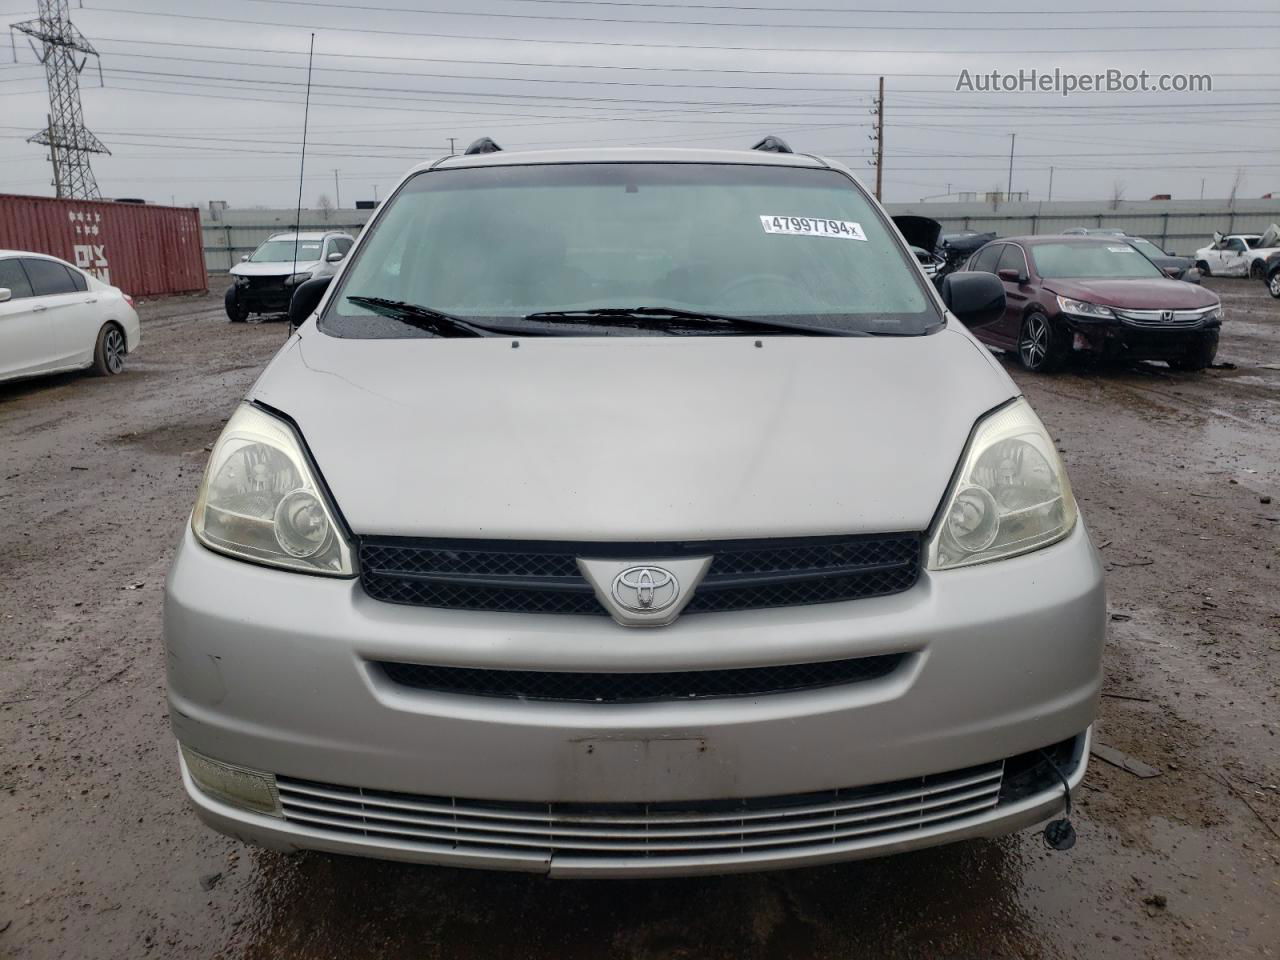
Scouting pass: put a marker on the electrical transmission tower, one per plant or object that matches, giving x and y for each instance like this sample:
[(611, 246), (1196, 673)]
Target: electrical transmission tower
[(69, 142)]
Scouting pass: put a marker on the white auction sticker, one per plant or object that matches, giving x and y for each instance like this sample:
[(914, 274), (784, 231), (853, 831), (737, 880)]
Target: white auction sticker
[(1122, 249), (813, 227)]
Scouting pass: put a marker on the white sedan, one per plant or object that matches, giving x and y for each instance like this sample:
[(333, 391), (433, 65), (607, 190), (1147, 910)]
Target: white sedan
[(55, 317)]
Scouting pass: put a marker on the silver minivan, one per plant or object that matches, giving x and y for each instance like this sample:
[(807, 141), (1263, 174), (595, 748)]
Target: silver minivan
[(633, 513)]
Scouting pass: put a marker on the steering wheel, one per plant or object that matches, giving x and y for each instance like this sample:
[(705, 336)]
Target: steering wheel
[(737, 288)]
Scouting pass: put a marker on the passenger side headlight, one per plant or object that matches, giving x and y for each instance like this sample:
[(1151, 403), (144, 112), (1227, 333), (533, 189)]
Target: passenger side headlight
[(260, 500), (1083, 308), (1010, 496)]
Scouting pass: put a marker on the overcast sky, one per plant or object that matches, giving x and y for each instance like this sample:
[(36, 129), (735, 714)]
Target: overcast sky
[(204, 100)]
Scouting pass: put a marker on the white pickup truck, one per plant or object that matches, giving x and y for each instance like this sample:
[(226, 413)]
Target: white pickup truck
[(1238, 254)]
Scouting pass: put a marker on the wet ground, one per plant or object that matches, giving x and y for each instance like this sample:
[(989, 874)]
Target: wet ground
[(100, 858)]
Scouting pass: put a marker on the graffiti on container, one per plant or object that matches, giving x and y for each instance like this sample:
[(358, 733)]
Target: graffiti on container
[(91, 257)]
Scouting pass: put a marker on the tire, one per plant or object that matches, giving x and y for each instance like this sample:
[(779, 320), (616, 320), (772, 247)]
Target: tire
[(1203, 268), (1199, 357), (110, 350), (237, 312), (1040, 345), (1255, 270), (1273, 284)]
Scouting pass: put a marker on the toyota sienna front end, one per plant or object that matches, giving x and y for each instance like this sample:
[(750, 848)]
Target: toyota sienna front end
[(624, 513)]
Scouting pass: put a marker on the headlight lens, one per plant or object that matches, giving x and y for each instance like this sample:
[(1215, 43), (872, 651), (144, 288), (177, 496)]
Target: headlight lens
[(1083, 308), (296, 279), (1010, 496), (260, 501)]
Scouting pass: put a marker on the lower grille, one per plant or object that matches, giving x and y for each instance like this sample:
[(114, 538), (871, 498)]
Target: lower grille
[(640, 687), (744, 828), (543, 577)]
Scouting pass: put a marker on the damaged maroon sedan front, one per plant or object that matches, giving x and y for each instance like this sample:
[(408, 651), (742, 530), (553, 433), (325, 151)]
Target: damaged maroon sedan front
[(1072, 294)]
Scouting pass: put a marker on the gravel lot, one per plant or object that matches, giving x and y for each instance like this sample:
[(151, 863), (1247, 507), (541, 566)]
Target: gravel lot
[(99, 856)]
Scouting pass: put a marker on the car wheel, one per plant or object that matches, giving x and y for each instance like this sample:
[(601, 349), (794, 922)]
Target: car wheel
[(237, 312), (108, 354), (1256, 270), (1200, 356), (1039, 345), (1203, 267), (1273, 284)]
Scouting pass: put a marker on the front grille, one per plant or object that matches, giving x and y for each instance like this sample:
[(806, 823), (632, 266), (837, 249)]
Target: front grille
[(726, 830), (265, 284), (639, 687), (543, 577), (1157, 318)]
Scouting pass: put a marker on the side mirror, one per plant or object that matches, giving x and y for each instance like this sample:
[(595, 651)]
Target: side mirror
[(1009, 275), (244, 258), (305, 299), (5, 294), (976, 298), (335, 256), (1173, 272)]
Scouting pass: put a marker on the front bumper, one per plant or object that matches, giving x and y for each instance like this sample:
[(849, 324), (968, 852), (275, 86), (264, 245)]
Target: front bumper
[(1118, 339), (272, 671), (264, 294)]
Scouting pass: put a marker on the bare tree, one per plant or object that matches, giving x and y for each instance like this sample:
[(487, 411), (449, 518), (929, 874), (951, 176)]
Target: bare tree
[(324, 205), (1117, 194), (1235, 186)]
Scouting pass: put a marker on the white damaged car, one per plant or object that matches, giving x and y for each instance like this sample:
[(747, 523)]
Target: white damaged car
[(1238, 254)]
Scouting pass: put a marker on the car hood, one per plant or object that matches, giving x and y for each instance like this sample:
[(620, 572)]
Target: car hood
[(920, 232), (635, 438), (1162, 293), (282, 269)]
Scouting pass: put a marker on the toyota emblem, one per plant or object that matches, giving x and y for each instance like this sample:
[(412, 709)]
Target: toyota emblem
[(645, 589)]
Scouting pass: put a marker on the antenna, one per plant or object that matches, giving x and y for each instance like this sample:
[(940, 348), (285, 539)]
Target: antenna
[(302, 164)]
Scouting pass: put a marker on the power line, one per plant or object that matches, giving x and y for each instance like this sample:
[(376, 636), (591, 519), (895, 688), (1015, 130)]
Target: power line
[(1058, 50), (752, 71), (860, 27), (1089, 12)]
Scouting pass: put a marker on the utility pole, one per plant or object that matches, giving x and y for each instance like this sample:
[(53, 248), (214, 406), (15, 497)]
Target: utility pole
[(65, 134), (1008, 193), (1202, 188), (337, 191), (878, 137), (1050, 182)]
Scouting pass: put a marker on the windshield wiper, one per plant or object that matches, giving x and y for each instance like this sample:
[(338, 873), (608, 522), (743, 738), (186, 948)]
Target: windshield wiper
[(424, 318), (659, 318)]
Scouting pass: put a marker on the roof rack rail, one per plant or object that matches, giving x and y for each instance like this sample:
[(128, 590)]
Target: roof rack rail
[(772, 144), (483, 145)]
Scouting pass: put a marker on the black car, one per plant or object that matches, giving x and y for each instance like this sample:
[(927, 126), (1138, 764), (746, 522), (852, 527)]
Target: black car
[(1180, 268), (1271, 275)]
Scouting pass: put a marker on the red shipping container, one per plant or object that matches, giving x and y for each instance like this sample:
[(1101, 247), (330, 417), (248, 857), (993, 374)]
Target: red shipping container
[(142, 249)]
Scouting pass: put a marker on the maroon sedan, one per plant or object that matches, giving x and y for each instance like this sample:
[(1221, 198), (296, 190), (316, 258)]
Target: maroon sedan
[(1091, 294)]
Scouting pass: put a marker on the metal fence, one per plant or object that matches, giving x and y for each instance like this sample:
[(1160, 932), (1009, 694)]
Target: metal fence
[(1176, 225), (237, 232)]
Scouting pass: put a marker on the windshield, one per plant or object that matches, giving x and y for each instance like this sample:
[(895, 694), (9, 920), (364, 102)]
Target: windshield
[(785, 244), (281, 251), (1096, 261), (1147, 247)]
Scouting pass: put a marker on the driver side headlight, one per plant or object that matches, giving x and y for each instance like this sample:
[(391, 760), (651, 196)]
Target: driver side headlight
[(260, 500), (1010, 496)]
